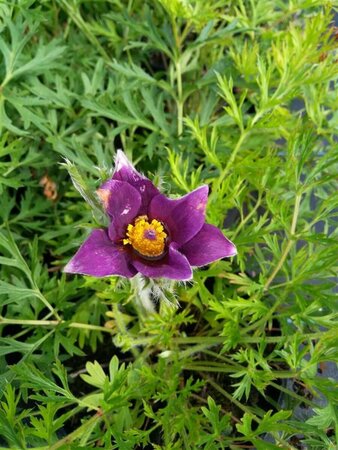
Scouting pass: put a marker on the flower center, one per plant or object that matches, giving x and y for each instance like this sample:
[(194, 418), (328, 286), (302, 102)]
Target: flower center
[(146, 238)]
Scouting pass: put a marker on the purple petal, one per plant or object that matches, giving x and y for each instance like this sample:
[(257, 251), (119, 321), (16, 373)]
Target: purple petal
[(99, 257), (184, 217), (125, 171), (147, 191), (174, 266), (207, 246), (122, 202)]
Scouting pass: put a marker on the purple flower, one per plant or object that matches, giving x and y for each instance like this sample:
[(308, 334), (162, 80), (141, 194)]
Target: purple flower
[(149, 233)]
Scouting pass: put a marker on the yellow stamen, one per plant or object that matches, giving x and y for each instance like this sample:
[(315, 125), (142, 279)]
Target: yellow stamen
[(146, 238)]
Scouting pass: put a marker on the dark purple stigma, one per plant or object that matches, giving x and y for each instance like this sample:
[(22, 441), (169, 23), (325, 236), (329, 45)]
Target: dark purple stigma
[(149, 234)]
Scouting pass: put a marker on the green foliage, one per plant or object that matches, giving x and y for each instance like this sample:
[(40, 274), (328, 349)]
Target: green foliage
[(238, 95)]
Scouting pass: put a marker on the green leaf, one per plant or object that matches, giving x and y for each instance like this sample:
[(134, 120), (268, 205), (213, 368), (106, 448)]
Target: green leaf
[(7, 242), (32, 377), (324, 417), (96, 376), (10, 345)]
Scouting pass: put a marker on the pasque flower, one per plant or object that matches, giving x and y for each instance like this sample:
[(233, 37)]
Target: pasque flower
[(149, 233)]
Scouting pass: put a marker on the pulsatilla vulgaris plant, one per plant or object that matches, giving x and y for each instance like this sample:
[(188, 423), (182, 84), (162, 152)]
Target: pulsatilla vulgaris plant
[(148, 232), (239, 96)]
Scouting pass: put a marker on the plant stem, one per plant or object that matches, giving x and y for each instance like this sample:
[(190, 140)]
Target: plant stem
[(263, 320), (248, 411), (288, 245), (52, 323), (220, 368), (246, 218), (78, 432), (76, 17), (226, 394), (215, 340), (207, 341), (39, 295), (123, 328), (178, 68), (233, 155), (179, 98), (293, 394)]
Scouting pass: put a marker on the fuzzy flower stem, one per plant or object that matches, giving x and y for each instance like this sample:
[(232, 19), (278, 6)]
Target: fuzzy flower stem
[(142, 296)]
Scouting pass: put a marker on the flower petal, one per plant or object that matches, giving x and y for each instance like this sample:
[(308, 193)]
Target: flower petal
[(148, 191), (184, 217), (174, 266), (122, 202), (125, 171), (99, 257), (207, 246)]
